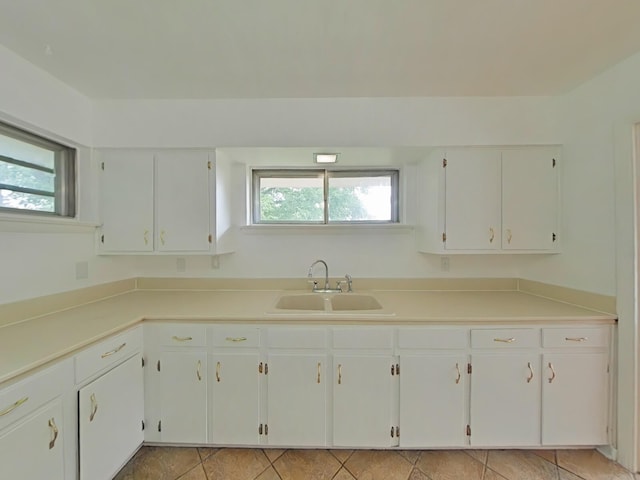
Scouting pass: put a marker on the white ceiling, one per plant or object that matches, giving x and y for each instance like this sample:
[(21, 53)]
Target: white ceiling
[(320, 48)]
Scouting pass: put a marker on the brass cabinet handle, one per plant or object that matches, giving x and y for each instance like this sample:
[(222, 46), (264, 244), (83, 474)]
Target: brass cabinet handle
[(54, 429), (146, 237), (339, 374), (198, 371), (94, 407), (162, 232), (218, 371), (182, 339), (319, 367), (236, 339), (576, 339), (509, 235), (530, 377), (458, 372), (115, 350), (553, 373), (11, 408), (504, 340), (491, 235)]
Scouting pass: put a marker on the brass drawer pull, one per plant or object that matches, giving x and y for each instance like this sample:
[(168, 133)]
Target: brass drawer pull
[(319, 367), (339, 374), (218, 371), (236, 339), (115, 350), (182, 339), (94, 407), (504, 340), (11, 408), (198, 374), (530, 377), (54, 429), (458, 374), (553, 373), (576, 339)]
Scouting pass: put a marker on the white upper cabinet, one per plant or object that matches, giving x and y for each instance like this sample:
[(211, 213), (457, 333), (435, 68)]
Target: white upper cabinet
[(489, 200), (167, 202)]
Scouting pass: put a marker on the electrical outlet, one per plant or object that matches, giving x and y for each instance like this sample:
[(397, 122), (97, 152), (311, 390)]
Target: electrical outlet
[(444, 264)]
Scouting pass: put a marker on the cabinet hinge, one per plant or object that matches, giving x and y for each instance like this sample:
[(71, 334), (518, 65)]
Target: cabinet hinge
[(444, 163), (102, 238), (210, 238), (553, 163), (607, 368), (393, 370), (469, 369), (142, 358), (266, 429), (553, 237), (266, 370), (397, 369), (397, 432), (209, 164), (468, 430), (444, 237), (102, 165), (260, 367), (143, 425), (393, 430), (159, 425), (158, 365), (260, 430)]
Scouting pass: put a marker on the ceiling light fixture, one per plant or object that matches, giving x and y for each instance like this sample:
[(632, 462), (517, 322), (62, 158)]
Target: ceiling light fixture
[(325, 157)]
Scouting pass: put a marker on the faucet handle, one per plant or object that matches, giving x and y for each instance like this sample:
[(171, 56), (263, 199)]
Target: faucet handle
[(349, 282)]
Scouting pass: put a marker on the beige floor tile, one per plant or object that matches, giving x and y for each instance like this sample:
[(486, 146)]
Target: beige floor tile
[(236, 463), (449, 465), (341, 455), (196, 473), (269, 474), (491, 475), (411, 455), (300, 464), (591, 465), (273, 453), (343, 474), (206, 452), (480, 455), (378, 465), (564, 475), (160, 463), (548, 455), (416, 474), (521, 465)]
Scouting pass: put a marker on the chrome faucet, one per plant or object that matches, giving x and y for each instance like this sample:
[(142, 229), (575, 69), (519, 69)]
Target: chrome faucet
[(326, 275), (349, 283)]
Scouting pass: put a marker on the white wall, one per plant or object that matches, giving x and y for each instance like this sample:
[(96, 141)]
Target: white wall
[(36, 261)]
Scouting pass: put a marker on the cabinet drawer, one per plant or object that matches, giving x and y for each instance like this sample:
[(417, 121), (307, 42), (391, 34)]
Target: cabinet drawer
[(365, 337), (107, 353), (581, 337), (506, 338), (297, 338), (26, 396), (175, 335), (433, 338), (235, 336)]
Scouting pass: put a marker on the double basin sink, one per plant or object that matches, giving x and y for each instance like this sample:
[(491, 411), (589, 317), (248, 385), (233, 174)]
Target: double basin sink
[(329, 303)]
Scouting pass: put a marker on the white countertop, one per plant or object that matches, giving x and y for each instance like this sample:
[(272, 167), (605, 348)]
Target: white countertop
[(32, 343)]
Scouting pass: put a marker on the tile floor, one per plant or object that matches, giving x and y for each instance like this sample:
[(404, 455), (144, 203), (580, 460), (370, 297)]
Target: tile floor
[(168, 463)]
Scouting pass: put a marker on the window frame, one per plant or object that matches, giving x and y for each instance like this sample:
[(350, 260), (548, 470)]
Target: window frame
[(64, 193), (326, 174)]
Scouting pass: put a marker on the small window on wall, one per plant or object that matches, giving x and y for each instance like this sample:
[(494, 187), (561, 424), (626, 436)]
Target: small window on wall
[(37, 175), (325, 196)]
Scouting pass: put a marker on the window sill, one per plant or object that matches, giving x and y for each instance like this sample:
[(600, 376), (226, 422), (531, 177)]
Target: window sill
[(34, 224), (364, 229)]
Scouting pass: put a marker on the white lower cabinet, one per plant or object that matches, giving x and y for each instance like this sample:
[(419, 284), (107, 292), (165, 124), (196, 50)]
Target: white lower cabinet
[(433, 399), (235, 399), (110, 411), (575, 393), (364, 392)]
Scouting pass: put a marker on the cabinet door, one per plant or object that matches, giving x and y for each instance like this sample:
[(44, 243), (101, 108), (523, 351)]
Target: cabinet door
[(529, 199), (296, 400), (126, 199), (183, 202), (235, 406), (472, 204), (110, 420), (575, 396), (363, 389), (33, 447), (505, 400), (183, 397), (432, 400)]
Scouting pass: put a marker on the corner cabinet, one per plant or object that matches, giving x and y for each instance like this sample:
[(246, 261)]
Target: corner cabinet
[(489, 200), (167, 202)]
